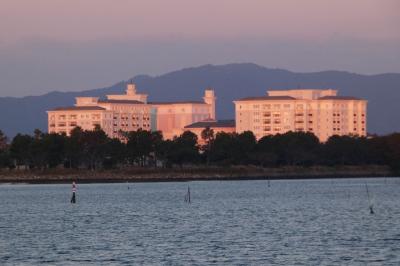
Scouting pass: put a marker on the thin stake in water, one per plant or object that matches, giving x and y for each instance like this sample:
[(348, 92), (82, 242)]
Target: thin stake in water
[(187, 196), (371, 207)]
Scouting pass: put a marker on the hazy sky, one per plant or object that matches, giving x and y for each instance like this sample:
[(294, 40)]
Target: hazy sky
[(66, 45)]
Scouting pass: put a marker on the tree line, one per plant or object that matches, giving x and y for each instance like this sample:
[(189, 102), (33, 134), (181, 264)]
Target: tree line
[(141, 148)]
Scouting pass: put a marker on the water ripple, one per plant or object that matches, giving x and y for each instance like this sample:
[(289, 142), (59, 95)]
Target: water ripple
[(302, 222)]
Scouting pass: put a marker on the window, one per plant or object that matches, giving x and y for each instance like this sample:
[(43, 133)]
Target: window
[(267, 114)]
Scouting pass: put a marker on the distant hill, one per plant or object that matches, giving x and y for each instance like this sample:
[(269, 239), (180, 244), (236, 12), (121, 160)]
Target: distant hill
[(230, 81)]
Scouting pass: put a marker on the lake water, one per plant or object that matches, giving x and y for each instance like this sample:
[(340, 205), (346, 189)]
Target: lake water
[(303, 222)]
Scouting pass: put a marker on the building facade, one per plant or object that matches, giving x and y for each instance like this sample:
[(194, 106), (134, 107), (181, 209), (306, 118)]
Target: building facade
[(227, 126), (321, 112), (172, 117), (129, 112)]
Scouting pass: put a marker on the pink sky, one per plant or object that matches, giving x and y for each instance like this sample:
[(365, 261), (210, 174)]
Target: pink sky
[(46, 35), (98, 19)]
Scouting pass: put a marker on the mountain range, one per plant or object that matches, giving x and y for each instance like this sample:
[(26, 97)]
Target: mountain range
[(230, 82)]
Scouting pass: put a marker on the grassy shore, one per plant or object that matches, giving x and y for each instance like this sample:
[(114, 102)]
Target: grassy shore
[(189, 174)]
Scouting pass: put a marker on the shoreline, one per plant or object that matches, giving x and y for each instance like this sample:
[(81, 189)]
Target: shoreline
[(145, 175)]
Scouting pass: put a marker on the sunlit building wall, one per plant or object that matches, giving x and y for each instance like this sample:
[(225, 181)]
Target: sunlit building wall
[(321, 112), (130, 112)]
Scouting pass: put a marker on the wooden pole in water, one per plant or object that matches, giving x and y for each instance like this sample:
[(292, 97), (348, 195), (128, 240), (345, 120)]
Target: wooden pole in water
[(371, 209)]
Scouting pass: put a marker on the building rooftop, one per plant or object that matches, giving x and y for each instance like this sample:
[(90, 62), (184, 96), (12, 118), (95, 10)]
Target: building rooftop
[(212, 124), (79, 108), (263, 98), (339, 98), (121, 101), (178, 102)]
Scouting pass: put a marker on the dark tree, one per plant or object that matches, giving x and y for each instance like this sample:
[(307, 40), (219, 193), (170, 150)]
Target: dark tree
[(74, 155), (207, 136), (20, 150), (140, 146), (157, 143), (185, 149), (223, 147), (245, 146), (345, 150), (3, 141), (393, 151), (5, 160), (115, 153), (94, 147)]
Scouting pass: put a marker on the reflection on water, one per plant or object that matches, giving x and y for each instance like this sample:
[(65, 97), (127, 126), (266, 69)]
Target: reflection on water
[(309, 222)]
